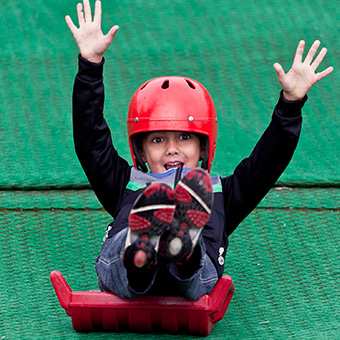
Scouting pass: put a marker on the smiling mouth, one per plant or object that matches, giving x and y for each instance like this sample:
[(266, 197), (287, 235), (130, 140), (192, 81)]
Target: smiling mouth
[(173, 165)]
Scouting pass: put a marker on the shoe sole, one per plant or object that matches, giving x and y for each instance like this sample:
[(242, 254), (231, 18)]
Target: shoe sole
[(151, 215), (194, 201)]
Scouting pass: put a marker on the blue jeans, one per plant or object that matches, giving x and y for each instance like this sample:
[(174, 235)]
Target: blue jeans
[(112, 275)]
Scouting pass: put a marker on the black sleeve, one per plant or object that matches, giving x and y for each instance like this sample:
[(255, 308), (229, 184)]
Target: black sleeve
[(257, 174), (107, 173)]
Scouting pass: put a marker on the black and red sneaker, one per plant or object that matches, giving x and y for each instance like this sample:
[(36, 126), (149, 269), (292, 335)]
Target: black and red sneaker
[(194, 200), (151, 215)]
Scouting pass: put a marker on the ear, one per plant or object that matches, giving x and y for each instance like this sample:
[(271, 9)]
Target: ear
[(142, 154)]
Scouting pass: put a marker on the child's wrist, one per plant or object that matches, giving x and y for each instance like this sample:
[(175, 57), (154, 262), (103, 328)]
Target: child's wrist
[(289, 108), (289, 97), (97, 59)]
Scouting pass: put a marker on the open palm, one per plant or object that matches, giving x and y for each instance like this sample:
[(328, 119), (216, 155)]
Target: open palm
[(302, 75), (91, 41)]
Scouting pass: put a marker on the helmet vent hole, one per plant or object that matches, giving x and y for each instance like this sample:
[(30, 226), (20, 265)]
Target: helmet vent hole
[(190, 84), (165, 84), (144, 86)]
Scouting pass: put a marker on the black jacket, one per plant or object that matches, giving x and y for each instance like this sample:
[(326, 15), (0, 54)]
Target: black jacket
[(117, 184)]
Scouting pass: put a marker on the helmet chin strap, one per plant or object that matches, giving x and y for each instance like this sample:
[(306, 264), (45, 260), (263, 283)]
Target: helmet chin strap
[(205, 160), (139, 161)]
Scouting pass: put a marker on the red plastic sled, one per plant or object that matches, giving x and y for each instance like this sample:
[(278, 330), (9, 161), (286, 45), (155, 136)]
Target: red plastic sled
[(99, 311)]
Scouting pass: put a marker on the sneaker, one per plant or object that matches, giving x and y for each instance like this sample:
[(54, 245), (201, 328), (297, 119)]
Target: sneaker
[(151, 215), (194, 200)]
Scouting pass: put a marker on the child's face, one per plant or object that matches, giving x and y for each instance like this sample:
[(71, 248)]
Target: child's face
[(164, 150)]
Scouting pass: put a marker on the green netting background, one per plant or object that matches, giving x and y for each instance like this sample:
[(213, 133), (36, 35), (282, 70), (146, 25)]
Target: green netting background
[(284, 257), (229, 46)]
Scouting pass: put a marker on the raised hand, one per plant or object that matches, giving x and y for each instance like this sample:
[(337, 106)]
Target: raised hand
[(91, 41), (302, 75)]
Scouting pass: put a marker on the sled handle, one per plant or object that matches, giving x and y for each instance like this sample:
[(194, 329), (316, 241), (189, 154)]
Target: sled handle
[(62, 290), (224, 287)]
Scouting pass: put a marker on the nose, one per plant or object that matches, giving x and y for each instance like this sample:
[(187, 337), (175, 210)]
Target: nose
[(172, 147)]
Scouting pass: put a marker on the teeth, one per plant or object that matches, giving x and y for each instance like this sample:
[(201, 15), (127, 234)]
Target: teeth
[(173, 165)]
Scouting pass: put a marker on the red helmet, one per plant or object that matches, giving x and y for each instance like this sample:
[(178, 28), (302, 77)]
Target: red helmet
[(172, 104)]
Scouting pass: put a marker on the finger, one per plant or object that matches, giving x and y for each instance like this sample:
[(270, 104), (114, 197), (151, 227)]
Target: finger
[(98, 12), (80, 14), (87, 11), (70, 24), (299, 52), (319, 58), (312, 51), (324, 73), (111, 34), (279, 71)]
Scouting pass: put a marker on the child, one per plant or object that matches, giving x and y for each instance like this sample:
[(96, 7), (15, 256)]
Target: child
[(171, 226)]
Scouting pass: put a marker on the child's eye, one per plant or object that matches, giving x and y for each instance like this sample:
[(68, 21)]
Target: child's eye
[(157, 140), (184, 136)]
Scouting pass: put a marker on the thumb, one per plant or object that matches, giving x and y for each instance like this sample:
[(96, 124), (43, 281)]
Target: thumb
[(112, 32), (279, 70), (70, 24)]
